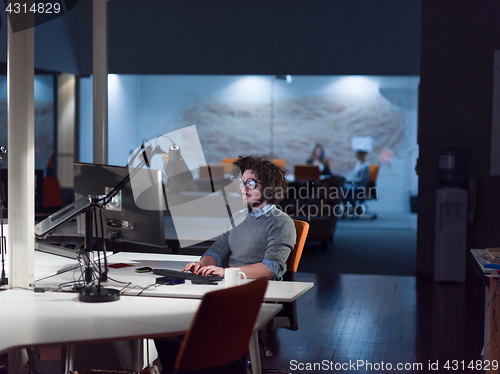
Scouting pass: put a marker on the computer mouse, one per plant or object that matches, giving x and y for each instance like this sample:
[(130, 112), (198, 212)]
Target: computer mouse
[(144, 269)]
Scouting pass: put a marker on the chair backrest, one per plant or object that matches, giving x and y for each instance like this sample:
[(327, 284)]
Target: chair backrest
[(52, 192), (372, 192), (279, 162), (372, 178), (228, 164), (302, 228), (227, 161), (222, 327), (217, 171), (307, 172)]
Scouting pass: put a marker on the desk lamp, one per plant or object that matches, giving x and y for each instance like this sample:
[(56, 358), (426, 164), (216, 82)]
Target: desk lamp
[(175, 167)]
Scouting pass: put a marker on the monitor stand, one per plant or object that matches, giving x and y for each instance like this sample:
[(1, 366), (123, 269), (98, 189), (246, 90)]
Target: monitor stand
[(91, 293), (98, 294)]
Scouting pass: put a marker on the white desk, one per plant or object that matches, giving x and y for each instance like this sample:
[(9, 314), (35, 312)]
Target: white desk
[(147, 315), (58, 318), (276, 291)]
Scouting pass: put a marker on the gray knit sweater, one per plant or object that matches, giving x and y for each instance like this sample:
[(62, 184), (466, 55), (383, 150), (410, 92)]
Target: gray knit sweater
[(268, 238)]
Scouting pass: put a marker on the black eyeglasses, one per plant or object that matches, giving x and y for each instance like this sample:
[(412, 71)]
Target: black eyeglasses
[(250, 183)]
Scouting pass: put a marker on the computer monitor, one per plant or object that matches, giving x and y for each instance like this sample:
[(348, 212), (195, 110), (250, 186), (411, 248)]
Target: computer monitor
[(125, 221)]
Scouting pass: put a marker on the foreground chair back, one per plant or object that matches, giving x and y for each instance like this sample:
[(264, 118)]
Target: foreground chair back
[(218, 338)]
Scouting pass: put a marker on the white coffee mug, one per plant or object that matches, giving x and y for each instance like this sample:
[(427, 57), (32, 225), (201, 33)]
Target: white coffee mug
[(233, 277)]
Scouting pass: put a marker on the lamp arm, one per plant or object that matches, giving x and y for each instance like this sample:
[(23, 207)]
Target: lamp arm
[(109, 196)]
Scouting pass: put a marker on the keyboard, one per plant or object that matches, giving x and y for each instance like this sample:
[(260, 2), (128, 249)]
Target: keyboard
[(194, 278)]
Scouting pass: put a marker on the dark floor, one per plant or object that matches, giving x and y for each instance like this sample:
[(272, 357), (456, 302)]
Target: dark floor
[(385, 246), (381, 319), (368, 305)]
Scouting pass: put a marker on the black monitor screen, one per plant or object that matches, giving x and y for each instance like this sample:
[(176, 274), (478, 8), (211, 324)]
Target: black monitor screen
[(126, 222)]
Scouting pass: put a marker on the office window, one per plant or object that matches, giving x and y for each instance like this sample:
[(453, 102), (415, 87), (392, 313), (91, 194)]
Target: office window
[(240, 115), (44, 120)]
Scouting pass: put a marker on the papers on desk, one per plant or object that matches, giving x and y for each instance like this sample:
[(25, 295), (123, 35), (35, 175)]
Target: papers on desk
[(492, 258), (493, 254), (485, 261)]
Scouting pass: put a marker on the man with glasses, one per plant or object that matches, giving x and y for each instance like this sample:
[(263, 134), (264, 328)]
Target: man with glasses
[(258, 240), (261, 241)]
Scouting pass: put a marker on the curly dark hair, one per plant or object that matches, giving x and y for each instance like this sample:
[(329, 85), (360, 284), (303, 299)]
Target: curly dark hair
[(272, 177)]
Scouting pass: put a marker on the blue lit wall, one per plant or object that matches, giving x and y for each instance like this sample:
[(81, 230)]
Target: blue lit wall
[(240, 115)]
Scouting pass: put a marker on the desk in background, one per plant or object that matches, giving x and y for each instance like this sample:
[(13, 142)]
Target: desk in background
[(490, 295), (318, 203)]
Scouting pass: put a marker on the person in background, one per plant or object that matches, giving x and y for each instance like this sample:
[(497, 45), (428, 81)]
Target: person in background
[(357, 178), (318, 158)]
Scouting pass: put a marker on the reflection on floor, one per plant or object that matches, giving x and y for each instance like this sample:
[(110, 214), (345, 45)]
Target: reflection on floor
[(381, 319), (386, 245)]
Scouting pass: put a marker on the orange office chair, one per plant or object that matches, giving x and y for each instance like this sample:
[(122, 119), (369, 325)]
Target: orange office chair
[(217, 341), (279, 162), (372, 179), (287, 317), (367, 190), (302, 228), (371, 191), (228, 163)]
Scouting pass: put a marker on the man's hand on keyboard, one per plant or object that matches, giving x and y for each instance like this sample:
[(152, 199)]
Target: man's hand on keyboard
[(211, 270), (193, 267)]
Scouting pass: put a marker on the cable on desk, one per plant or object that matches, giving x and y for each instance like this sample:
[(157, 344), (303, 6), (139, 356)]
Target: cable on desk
[(69, 284), (142, 289), (117, 281)]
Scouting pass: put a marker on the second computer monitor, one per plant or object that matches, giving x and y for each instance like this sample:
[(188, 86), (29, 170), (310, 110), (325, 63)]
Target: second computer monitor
[(125, 221)]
